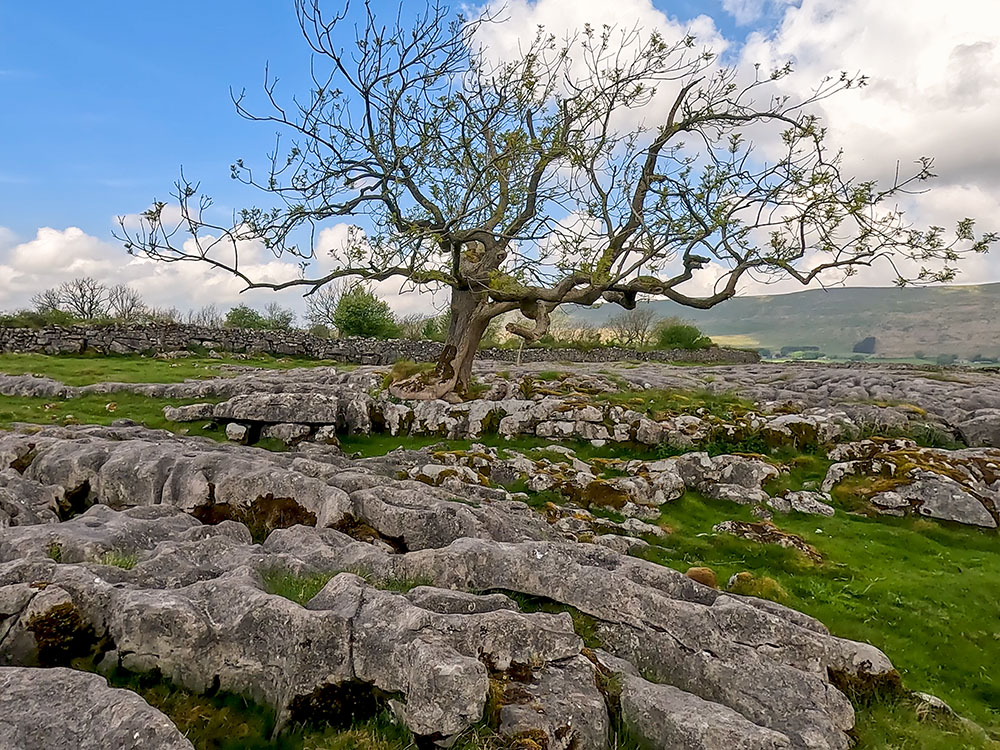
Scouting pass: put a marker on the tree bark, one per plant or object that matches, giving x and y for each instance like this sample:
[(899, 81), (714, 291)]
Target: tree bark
[(452, 375)]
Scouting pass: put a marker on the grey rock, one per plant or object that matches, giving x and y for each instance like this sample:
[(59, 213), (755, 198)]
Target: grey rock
[(561, 704), (289, 434), (24, 502), (666, 717), (803, 501), (278, 408), (63, 709), (237, 432), (981, 430), (941, 497)]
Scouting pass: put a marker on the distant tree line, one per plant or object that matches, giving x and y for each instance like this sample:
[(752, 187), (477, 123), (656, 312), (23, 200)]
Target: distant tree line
[(332, 311)]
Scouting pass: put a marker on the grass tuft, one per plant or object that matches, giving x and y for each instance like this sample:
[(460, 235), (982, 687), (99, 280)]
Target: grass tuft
[(119, 560)]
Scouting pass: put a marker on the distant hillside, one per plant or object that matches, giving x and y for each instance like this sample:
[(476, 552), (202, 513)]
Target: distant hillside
[(960, 320)]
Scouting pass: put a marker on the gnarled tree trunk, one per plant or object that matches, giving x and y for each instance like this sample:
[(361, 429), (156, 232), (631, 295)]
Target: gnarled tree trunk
[(451, 376)]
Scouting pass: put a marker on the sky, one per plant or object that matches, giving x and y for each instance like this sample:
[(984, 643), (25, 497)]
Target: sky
[(101, 103)]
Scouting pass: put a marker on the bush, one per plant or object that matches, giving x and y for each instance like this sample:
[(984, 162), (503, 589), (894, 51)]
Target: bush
[(436, 328), (361, 313), (244, 316), (36, 319), (677, 335), (278, 318)]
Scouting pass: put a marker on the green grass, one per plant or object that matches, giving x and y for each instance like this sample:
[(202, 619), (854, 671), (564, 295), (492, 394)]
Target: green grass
[(119, 560), (914, 588), (302, 588), (85, 369), (550, 375), (297, 588), (903, 725), (100, 409), (802, 472), (368, 446), (659, 402)]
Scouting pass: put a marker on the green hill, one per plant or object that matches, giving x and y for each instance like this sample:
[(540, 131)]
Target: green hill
[(959, 320)]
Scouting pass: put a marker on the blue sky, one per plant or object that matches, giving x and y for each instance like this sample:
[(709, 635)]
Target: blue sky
[(103, 101)]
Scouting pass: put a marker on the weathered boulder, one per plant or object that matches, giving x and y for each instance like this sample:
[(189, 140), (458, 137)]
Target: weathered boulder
[(982, 430), (960, 485), (24, 502), (278, 408), (803, 501), (699, 470), (63, 709), (560, 708), (665, 716)]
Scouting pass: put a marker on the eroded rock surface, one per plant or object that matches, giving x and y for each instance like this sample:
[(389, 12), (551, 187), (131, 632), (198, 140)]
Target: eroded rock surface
[(171, 554), (60, 709), (900, 477)]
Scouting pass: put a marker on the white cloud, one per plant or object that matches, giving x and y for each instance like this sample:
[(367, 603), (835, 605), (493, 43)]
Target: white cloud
[(55, 255), (561, 17), (934, 72)]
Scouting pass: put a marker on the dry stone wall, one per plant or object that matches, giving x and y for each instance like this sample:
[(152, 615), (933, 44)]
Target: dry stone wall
[(128, 339)]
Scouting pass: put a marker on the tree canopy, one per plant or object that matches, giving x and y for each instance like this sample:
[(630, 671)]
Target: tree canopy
[(609, 165)]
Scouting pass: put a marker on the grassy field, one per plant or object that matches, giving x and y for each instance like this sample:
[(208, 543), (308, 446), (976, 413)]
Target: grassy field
[(924, 592), (102, 408), (84, 369), (914, 588)]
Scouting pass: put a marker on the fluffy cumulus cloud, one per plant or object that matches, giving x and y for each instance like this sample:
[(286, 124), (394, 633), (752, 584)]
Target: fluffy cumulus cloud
[(934, 90), (54, 256)]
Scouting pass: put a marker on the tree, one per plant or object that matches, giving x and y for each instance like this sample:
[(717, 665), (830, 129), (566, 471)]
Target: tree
[(361, 313), (278, 318), (47, 301), (607, 165), (207, 316), (162, 315), (322, 305), (633, 328), (85, 298), (124, 303), (244, 316)]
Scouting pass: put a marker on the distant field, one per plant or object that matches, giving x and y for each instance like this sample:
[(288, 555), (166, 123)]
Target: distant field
[(959, 320), (84, 369)]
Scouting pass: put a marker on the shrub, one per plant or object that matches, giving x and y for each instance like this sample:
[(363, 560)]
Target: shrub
[(321, 305), (436, 328), (361, 313), (244, 316), (678, 335), (206, 317), (278, 318), (36, 319)]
